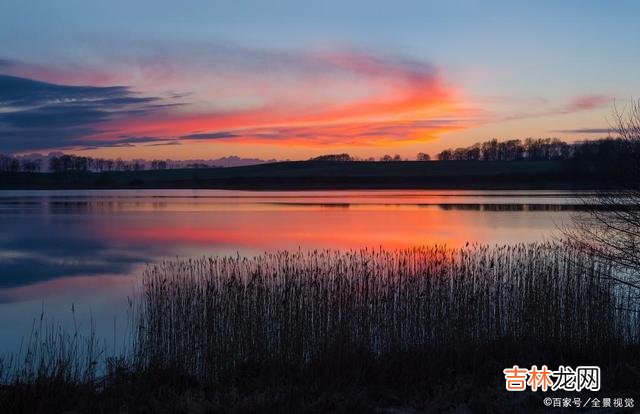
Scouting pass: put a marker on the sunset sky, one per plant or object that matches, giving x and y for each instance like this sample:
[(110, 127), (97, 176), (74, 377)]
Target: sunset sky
[(295, 79)]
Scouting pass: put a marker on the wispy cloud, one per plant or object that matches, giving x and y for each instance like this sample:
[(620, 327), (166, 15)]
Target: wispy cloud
[(349, 133), (585, 131), (575, 104), (20, 92), (210, 136), (36, 114), (586, 102), (161, 144), (232, 93)]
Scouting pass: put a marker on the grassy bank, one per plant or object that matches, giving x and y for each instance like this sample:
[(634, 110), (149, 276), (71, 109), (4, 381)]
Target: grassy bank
[(427, 328), (301, 175)]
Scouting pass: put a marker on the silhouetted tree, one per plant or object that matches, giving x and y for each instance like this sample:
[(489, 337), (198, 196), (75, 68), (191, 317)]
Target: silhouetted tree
[(333, 157), (158, 165), (534, 149), (30, 166), (612, 231)]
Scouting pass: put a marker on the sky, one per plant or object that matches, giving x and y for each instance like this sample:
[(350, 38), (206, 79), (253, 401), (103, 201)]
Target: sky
[(293, 80)]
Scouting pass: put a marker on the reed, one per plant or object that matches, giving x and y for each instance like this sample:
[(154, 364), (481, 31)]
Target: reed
[(288, 329), (213, 317), (53, 368)]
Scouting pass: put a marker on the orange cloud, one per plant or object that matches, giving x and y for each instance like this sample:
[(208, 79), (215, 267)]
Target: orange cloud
[(323, 98), (248, 96)]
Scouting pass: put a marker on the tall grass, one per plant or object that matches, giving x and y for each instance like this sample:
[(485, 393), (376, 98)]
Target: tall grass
[(213, 317), (52, 352), (53, 367), (300, 321)]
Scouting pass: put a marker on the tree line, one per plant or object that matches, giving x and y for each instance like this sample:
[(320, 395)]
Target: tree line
[(74, 163), (385, 158), (67, 163), (535, 149), (530, 149), (10, 164)]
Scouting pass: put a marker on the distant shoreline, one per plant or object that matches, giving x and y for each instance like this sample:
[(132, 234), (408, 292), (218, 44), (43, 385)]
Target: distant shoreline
[(329, 175)]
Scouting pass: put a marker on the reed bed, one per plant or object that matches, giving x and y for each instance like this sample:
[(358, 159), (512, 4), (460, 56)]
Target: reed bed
[(315, 331), (52, 352), (213, 317), (53, 368)]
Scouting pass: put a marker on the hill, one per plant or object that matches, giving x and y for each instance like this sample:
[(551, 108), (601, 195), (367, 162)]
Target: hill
[(302, 175)]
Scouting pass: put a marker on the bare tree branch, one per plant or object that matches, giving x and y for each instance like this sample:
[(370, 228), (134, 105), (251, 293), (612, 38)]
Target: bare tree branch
[(611, 232)]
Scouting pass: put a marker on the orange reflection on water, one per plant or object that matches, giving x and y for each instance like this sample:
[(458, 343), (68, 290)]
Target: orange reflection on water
[(322, 227)]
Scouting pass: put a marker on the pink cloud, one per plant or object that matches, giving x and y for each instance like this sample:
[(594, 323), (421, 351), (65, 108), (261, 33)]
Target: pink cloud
[(542, 107), (327, 97), (586, 102)]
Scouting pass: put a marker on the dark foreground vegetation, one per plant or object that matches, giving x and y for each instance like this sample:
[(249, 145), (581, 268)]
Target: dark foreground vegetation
[(426, 329)]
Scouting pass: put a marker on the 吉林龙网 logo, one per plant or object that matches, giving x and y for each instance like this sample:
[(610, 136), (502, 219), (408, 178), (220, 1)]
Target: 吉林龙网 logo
[(543, 379)]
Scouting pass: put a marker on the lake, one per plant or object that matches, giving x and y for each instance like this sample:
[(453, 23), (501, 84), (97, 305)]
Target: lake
[(84, 249)]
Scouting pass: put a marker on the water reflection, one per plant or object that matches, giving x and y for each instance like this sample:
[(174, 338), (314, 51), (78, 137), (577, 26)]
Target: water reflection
[(62, 234), (85, 247), (38, 248)]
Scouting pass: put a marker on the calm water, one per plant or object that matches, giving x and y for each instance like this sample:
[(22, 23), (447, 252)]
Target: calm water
[(85, 248)]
